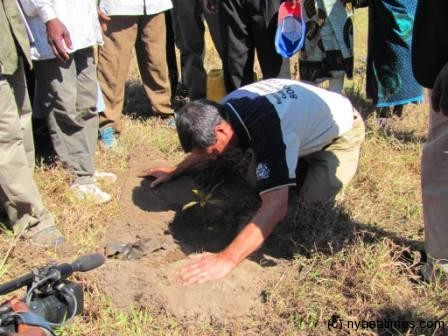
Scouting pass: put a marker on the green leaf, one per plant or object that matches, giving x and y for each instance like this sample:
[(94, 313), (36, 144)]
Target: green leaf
[(217, 202), (189, 205), (199, 193)]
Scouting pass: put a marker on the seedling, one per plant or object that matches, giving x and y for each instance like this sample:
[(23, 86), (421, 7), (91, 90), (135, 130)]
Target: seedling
[(203, 198)]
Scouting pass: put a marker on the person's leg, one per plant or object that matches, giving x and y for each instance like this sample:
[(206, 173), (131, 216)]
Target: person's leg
[(189, 33), (215, 31), (238, 51), (19, 86), (330, 170), (263, 28), (86, 103), (435, 189), (57, 96), (171, 58), (114, 59), (151, 56), (336, 84), (19, 195)]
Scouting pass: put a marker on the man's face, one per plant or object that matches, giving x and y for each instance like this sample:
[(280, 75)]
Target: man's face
[(224, 139)]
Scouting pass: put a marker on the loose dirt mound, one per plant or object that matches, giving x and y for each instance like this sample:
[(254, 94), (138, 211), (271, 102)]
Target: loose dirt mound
[(170, 235)]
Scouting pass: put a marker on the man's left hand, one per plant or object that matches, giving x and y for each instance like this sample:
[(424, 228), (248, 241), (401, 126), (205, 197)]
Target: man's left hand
[(439, 96), (207, 267)]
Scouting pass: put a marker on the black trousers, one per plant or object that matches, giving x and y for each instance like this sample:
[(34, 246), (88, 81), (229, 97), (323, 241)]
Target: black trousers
[(246, 26), (188, 22)]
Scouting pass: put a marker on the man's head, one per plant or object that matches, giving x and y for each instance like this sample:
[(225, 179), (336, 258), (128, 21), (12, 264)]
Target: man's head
[(202, 128)]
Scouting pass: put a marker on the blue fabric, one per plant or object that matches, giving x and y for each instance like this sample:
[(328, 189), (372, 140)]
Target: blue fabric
[(290, 36), (390, 80)]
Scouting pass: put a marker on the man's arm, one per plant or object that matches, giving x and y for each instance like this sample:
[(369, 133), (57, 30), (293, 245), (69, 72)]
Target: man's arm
[(164, 174), (212, 266), (57, 34)]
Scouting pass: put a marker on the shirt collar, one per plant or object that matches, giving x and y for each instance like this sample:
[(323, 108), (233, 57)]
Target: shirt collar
[(242, 133)]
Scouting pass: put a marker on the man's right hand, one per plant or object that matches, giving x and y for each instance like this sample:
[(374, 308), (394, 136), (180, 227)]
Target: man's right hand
[(162, 175), (59, 39), (439, 96), (104, 19)]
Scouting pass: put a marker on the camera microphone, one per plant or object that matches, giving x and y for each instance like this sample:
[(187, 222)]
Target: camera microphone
[(84, 263)]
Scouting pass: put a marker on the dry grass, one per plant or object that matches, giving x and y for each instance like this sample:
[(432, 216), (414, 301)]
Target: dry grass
[(358, 262)]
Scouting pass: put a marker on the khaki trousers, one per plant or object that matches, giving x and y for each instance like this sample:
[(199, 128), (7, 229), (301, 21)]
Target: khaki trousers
[(435, 187), (18, 193), (322, 176), (330, 170), (66, 94), (147, 35)]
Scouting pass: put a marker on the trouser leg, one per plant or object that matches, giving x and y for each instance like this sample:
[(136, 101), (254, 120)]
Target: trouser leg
[(330, 170), (114, 60), (18, 84), (435, 187), (19, 195), (151, 56), (67, 95), (215, 31), (189, 31), (238, 51), (336, 84), (171, 59)]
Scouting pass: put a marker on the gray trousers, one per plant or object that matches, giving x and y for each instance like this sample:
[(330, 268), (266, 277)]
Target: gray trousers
[(435, 186), (188, 24), (18, 192), (66, 94)]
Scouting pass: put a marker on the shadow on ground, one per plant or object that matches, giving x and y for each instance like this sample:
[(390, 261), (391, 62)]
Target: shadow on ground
[(306, 230)]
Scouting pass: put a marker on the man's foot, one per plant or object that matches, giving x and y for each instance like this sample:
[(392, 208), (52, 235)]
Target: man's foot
[(180, 98), (90, 192), (433, 270), (107, 138), (104, 177)]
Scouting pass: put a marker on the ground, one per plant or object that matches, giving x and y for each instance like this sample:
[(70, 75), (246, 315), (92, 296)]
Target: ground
[(356, 262)]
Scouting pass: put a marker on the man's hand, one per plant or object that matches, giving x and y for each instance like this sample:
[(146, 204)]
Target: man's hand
[(162, 175), (104, 19), (59, 39), (207, 267), (211, 6), (439, 96)]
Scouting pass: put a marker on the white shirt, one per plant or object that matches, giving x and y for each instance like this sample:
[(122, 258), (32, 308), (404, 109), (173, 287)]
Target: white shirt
[(283, 120), (134, 7), (79, 16)]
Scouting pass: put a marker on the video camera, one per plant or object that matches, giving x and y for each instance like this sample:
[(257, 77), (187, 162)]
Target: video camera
[(53, 300)]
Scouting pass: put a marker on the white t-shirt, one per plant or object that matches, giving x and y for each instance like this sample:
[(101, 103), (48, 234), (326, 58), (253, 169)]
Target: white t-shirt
[(283, 120)]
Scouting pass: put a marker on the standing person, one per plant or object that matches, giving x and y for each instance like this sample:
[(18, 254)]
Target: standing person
[(129, 25), (19, 195), (328, 51), (188, 22), (390, 81), (288, 125), (246, 26), (66, 93), (430, 64)]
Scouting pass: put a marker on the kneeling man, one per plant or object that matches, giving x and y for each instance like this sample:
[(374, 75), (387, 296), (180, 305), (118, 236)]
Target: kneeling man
[(289, 126)]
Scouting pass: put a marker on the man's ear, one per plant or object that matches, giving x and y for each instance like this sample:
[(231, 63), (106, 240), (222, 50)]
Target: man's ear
[(221, 128)]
